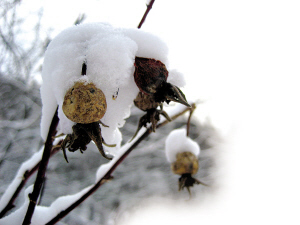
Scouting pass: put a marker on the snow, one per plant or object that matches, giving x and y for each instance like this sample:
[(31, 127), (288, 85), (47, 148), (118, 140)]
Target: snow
[(172, 110), (104, 168), (176, 78), (178, 142), (149, 45), (109, 54), (17, 216), (42, 214), (26, 166)]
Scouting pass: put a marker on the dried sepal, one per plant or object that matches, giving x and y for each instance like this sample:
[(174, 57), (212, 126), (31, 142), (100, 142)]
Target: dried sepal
[(145, 102), (149, 105), (81, 136), (186, 181), (84, 103), (150, 76)]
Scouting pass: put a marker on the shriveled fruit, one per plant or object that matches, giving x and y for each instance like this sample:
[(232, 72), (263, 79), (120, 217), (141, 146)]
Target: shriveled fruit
[(84, 103), (186, 162)]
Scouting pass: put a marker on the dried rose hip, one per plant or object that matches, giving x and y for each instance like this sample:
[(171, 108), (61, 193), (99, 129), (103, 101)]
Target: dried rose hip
[(186, 165), (150, 76), (84, 104)]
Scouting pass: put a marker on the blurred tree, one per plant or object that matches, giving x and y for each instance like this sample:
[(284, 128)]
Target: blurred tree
[(20, 107)]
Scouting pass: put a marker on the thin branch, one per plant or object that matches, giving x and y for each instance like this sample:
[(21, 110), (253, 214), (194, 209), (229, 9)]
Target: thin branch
[(149, 6), (192, 109), (125, 150), (33, 197), (26, 170)]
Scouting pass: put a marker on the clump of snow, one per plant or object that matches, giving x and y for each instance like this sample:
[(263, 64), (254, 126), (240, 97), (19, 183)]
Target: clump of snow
[(42, 214), (109, 55), (178, 142), (149, 45), (176, 78), (17, 216), (26, 166)]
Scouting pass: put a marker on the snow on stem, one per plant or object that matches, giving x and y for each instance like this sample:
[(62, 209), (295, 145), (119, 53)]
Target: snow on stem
[(25, 171), (33, 197), (104, 172), (56, 211), (12, 191)]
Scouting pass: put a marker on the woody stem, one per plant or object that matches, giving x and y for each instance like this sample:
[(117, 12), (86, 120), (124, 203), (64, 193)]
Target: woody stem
[(149, 6), (33, 197), (107, 175)]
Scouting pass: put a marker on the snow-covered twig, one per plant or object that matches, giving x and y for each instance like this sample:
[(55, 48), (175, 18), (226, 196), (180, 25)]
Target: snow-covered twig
[(149, 6), (104, 172), (33, 197), (24, 173)]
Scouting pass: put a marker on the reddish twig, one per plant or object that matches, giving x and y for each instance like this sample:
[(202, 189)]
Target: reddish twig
[(33, 197), (149, 6), (107, 175)]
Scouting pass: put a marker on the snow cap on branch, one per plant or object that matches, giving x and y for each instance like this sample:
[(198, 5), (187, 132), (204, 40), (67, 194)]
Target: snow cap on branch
[(178, 142), (17, 216), (108, 54)]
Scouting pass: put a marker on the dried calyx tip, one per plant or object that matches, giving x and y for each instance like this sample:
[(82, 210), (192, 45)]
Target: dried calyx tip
[(186, 181), (173, 93)]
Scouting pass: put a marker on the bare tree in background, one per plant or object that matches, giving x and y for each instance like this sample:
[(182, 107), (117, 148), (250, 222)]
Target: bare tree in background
[(20, 106)]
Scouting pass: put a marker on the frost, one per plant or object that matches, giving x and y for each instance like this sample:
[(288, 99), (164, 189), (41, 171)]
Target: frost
[(109, 54), (177, 142)]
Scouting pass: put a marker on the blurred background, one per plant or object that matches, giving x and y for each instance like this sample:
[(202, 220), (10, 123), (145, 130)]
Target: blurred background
[(240, 58)]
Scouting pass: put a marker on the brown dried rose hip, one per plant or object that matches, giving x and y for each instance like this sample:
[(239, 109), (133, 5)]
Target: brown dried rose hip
[(186, 162), (151, 75), (84, 103)]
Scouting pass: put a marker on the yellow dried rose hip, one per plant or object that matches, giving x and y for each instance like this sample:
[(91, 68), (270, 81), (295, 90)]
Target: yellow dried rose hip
[(186, 162), (84, 103)]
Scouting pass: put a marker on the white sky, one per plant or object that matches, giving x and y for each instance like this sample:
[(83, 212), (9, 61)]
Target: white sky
[(243, 58)]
